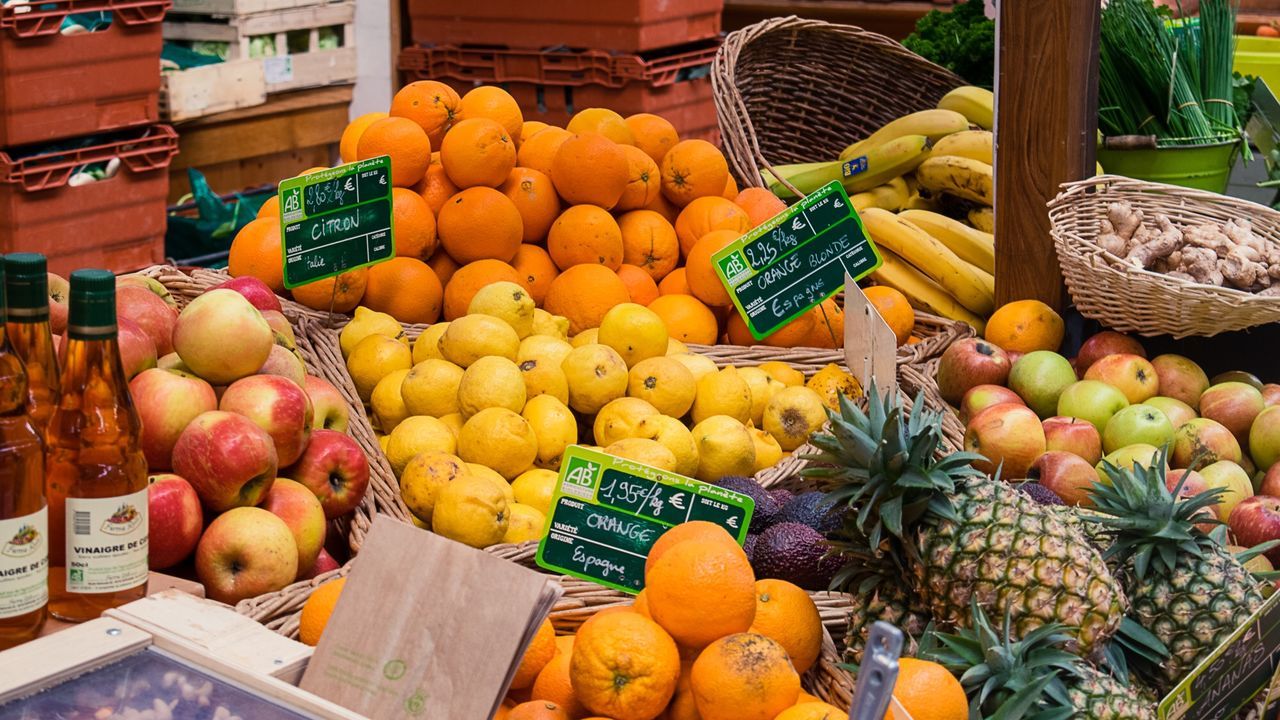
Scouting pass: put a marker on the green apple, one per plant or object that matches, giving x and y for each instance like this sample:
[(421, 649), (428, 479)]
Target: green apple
[(1092, 401), (1039, 377), (1226, 474), (1137, 424), (1126, 457)]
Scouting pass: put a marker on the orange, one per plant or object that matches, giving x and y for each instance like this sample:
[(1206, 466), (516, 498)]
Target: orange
[(538, 710), (317, 609), (643, 180), (653, 134), (686, 318), (794, 333), (664, 207), (683, 705), (693, 169), (415, 225), (553, 684), (649, 242), (404, 141), (744, 677), (583, 294), (339, 294), (433, 105), (642, 289), (738, 332), (929, 691), (585, 234), (256, 251), (828, 325), (700, 590), (730, 188), (480, 223), (589, 168), (675, 283), (624, 666), (436, 187), (468, 280), (604, 121), (1025, 326), (504, 710), (787, 614), (760, 204), (564, 644), (530, 128), (539, 152), (641, 605), (535, 198), (807, 698), (478, 151), (351, 135), (493, 103), (894, 309), (404, 288), (540, 651), (270, 208), (444, 265), (536, 270), (708, 214), (701, 274), (813, 711), (690, 530)]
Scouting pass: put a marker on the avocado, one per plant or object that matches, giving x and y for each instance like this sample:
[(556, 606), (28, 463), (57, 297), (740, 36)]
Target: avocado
[(766, 507), (782, 496), (812, 509), (796, 553), (749, 545)]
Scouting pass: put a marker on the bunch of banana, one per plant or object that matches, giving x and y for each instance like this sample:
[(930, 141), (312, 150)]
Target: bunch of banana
[(970, 286), (884, 162)]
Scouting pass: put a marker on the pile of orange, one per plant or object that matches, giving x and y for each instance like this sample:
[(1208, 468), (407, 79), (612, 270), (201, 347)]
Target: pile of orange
[(605, 211)]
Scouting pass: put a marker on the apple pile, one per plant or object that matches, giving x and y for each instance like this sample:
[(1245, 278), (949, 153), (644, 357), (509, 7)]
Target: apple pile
[(1040, 416), (249, 454)]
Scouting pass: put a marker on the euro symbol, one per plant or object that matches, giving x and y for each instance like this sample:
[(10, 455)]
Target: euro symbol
[(351, 186), (677, 502), (732, 522)]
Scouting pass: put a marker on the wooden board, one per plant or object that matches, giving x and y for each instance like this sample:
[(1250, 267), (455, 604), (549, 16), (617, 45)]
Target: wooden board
[(158, 583), (211, 89), (240, 7), (238, 29), (48, 661), (896, 19), (314, 69)]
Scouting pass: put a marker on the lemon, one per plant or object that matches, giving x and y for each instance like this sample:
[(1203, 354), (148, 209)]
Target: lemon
[(542, 377), (368, 322), (793, 413), (586, 337), (427, 346), (543, 347), (675, 347), (664, 383), (453, 421), (724, 448), (768, 452), (546, 324), (831, 382), (674, 436), (783, 373), (525, 524), (423, 477), (555, 427), (418, 434), (491, 382), (722, 393), (596, 375), (388, 406), (374, 358), (758, 383), (535, 488), (506, 301), (382, 442), (618, 419), (431, 388), (471, 511), (419, 522), (499, 438), (634, 331), (472, 337), (485, 472), (645, 452), (699, 365)]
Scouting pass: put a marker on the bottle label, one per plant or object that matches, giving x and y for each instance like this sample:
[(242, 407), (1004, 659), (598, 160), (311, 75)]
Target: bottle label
[(106, 543), (24, 563)]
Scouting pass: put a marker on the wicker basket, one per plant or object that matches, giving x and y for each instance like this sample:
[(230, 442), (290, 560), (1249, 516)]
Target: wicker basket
[(790, 90), (1125, 298)]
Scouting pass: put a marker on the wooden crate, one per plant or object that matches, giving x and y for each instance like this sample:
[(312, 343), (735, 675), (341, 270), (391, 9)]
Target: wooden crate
[(241, 7), (210, 89)]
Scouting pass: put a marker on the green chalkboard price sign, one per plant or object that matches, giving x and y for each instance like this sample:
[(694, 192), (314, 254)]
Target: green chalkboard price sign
[(607, 512), (336, 220), (793, 262)]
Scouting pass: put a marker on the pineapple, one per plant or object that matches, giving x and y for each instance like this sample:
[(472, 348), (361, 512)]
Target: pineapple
[(881, 594), (959, 534)]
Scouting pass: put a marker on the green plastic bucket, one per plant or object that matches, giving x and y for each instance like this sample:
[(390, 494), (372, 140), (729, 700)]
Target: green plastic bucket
[(1203, 167)]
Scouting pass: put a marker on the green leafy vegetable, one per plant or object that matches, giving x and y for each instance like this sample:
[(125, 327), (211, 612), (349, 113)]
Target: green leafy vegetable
[(962, 40)]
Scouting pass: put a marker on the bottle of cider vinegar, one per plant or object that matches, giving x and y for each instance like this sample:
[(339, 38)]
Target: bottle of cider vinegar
[(95, 473), (24, 518), (27, 285)]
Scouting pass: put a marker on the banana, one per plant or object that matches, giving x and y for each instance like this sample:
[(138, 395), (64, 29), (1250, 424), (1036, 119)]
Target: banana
[(975, 103), (961, 280), (890, 196), (791, 172), (960, 176), (888, 161), (973, 144), (983, 219), (923, 293), (919, 202), (971, 245), (933, 123)]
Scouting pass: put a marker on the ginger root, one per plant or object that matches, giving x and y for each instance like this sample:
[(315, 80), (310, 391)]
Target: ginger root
[(1149, 247), (1241, 273)]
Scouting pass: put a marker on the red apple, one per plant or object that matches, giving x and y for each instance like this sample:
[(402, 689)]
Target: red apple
[(324, 563), (335, 468), (137, 351), (1271, 394), (244, 553), (59, 295), (1178, 412), (331, 411), (1009, 436), (1224, 474), (979, 398), (299, 508), (1106, 343), (283, 363), (1201, 442), (1192, 486), (281, 325), (1247, 378), (1235, 405), (277, 405), (150, 284), (222, 337), (969, 363), (1073, 435), (229, 460), (1014, 356), (1180, 378), (1257, 520), (167, 401), (1132, 375), (175, 520), (1271, 482), (173, 362), (1067, 474), (1264, 438), (258, 293), (150, 313)]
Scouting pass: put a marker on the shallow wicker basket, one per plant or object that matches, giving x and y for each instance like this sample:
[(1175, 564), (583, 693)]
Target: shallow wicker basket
[(790, 90), (1125, 298)]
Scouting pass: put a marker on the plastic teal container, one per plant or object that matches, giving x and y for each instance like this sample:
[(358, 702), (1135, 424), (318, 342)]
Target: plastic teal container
[(1203, 167)]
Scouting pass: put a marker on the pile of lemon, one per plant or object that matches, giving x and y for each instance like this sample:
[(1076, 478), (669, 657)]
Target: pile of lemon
[(475, 414)]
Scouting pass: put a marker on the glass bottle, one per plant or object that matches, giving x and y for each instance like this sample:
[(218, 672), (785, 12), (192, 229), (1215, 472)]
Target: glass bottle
[(27, 283), (24, 523), (96, 475)]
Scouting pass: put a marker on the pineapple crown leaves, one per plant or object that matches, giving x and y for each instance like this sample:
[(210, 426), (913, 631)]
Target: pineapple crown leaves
[(1134, 650)]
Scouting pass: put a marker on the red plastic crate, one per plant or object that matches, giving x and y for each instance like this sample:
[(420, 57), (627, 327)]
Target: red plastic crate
[(55, 86), (117, 223), (622, 25)]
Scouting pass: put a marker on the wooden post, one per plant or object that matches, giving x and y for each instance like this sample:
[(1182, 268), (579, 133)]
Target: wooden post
[(1046, 129)]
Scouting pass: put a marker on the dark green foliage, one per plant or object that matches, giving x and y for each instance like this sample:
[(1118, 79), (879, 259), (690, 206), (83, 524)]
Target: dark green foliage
[(962, 41)]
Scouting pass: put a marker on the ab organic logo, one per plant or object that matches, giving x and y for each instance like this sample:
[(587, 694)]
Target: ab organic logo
[(580, 478)]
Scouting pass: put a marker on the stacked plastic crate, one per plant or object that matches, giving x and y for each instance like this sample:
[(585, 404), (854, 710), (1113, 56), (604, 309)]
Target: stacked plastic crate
[(631, 56), (82, 157)]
